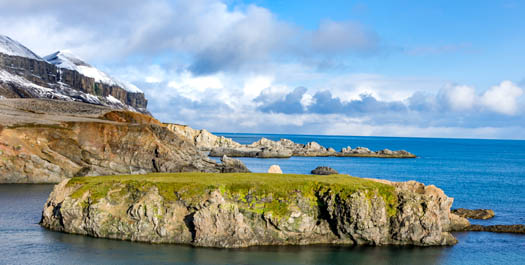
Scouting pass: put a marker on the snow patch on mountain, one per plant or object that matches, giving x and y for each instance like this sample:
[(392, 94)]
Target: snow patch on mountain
[(114, 100), (66, 59), (11, 47)]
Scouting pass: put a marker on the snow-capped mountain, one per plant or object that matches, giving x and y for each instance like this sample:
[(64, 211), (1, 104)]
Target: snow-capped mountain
[(66, 59), (62, 76), (14, 48)]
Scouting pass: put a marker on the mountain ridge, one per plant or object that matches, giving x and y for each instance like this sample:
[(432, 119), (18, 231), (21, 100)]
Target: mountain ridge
[(23, 74)]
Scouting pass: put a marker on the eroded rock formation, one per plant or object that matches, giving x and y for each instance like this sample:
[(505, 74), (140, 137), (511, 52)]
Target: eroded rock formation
[(231, 216), (46, 141)]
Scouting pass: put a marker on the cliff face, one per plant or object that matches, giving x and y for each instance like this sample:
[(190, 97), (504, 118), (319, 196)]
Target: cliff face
[(241, 210), (31, 78), (46, 141)]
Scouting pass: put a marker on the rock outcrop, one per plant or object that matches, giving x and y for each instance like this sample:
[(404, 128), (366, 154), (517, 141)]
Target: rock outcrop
[(46, 141), (232, 210), (458, 223), (324, 171), (219, 146), (231, 165), (482, 214)]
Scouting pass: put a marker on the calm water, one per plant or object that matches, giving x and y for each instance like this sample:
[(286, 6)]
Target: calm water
[(477, 173)]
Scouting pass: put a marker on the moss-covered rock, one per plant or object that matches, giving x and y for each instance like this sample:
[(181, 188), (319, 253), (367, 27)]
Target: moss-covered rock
[(246, 209)]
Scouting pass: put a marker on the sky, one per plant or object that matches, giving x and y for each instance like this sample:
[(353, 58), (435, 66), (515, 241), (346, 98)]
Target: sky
[(382, 68)]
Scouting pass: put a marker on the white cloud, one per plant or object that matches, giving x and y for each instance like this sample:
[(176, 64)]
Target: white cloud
[(460, 97), (502, 98)]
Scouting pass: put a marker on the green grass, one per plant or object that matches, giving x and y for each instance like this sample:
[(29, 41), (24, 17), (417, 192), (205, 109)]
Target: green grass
[(257, 192)]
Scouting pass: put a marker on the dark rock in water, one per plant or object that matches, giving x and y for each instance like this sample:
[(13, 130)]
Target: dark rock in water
[(232, 165), (482, 214), (324, 171), (518, 229)]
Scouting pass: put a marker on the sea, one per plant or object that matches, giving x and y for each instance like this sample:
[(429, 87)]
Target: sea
[(476, 173)]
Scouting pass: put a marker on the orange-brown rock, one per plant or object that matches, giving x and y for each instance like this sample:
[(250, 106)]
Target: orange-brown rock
[(46, 141)]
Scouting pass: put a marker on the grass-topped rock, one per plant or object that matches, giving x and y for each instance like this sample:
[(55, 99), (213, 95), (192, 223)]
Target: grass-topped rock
[(246, 209)]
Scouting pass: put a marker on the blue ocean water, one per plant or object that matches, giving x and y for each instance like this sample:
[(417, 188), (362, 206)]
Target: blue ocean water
[(477, 173)]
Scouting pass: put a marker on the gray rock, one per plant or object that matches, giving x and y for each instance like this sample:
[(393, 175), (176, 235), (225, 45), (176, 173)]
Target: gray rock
[(482, 214), (324, 171), (231, 165)]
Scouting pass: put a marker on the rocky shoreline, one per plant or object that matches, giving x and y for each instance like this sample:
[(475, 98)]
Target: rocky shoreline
[(47, 141), (241, 210), (218, 146)]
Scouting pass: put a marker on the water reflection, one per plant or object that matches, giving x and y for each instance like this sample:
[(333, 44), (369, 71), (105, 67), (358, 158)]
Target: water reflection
[(87, 249)]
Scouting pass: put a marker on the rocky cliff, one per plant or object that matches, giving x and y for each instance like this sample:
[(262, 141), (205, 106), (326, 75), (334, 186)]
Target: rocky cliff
[(219, 146), (241, 210), (23, 76), (46, 141)]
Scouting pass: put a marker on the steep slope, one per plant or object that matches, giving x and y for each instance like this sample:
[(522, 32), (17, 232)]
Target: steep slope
[(25, 75), (67, 60), (11, 47), (46, 141)]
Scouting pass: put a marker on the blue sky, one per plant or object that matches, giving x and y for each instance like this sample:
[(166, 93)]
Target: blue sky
[(393, 68)]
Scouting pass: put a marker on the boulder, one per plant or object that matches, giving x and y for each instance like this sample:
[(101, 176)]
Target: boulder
[(275, 169), (458, 223), (324, 171), (482, 214), (232, 165)]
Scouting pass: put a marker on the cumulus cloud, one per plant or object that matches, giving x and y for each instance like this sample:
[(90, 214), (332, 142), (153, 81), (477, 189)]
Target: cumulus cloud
[(459, 97), (226, 66), (502, 98), (208, 36)]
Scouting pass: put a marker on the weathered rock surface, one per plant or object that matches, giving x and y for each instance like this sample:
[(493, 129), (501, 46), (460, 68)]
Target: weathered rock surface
[(46, 141), (482, 214), (275, 169), (219, 146), (231, 165), (458, 223), (324, 171), (231, 216)]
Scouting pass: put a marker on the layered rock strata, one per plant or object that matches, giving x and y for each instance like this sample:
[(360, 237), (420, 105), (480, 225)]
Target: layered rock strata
[(241, 210), (46, 141), (22, 77)]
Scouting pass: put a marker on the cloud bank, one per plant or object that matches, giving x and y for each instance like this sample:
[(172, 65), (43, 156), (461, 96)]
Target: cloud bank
[(230, 66)]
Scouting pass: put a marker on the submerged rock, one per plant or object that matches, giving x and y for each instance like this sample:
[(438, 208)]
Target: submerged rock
[(324, 171), (482, 214), (229, 211), (516, 229)]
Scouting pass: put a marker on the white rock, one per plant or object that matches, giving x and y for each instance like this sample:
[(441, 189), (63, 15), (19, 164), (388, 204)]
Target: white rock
[(275, 169)]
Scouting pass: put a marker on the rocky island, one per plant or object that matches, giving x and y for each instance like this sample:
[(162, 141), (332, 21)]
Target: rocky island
[(247, 209)]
